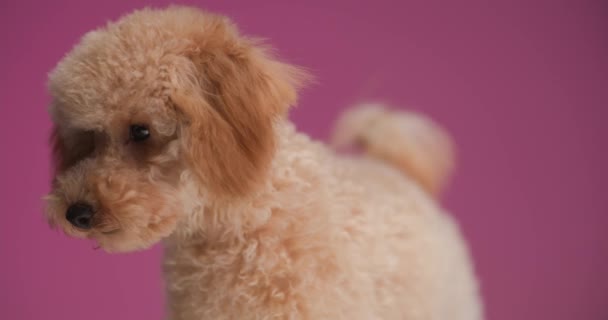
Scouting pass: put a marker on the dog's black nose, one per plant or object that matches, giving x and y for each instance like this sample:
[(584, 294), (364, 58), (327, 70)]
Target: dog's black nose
[(80, 215)]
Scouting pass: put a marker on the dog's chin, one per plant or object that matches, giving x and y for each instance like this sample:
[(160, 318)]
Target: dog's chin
[(118, 243), (134, 238)]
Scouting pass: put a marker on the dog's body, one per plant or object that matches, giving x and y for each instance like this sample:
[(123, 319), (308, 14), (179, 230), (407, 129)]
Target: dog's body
[(259, 221), (332, 238)]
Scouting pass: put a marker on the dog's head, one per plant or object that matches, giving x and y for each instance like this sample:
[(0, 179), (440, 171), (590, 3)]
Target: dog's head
[(154, 110)]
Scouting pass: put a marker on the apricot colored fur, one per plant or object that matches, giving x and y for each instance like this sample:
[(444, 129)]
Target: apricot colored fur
[(257, 220)]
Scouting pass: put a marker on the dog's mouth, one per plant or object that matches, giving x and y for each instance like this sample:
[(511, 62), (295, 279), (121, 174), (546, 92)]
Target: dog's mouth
[(106, 224), (100, 222), (110, 232)]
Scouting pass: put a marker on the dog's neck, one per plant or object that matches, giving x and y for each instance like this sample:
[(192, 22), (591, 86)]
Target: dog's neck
[(214, 222)]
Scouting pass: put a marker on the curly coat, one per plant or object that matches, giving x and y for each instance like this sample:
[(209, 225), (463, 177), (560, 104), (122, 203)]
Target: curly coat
[(257, 220)]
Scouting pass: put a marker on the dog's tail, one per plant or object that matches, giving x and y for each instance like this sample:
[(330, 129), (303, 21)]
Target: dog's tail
[(409, 141)]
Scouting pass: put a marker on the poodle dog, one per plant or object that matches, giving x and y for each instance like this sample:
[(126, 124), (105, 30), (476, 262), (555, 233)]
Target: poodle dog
[(170, 125)]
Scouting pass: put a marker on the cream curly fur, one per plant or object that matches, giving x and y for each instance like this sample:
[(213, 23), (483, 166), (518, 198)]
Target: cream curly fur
[(257, 220)]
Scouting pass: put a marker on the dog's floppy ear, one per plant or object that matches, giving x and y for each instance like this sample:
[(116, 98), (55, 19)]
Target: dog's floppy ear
[(232, 92)]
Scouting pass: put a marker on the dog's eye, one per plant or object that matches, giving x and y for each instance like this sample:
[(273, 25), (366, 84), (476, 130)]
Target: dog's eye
[(139, 133)]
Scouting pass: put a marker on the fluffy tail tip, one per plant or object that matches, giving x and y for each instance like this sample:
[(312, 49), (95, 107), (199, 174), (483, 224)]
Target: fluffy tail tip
[(407, 140)]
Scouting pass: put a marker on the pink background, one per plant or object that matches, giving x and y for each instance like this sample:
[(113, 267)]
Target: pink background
[(522, 86)]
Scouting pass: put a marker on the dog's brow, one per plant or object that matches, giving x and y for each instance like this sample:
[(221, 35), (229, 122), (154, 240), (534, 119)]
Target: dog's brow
[(80, 130)]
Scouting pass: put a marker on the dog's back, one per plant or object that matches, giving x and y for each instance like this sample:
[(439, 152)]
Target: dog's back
[(413, 251), (365, 240)]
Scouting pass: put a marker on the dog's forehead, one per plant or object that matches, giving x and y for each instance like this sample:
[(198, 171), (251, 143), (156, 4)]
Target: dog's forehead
[(125, 64), (101, 77)]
